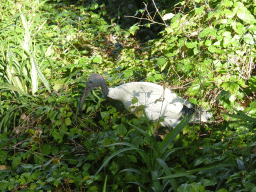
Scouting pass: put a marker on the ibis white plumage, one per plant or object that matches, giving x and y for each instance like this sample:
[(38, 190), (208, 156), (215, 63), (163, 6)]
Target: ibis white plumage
[(157, 101)]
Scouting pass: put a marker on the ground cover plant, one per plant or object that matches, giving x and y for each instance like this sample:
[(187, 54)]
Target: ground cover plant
[(205, 52)]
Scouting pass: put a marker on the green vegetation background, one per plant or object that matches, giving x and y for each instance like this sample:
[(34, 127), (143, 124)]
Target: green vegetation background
[(202, 50)]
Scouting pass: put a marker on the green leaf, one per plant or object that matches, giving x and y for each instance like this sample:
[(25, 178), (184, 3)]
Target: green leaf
[(240, 115), (193, 100), (137, 141), (227, 3), (33, 186), (228, 13), (249, 39), (205, 169), (97, 59), (193, 90), (158, 76), (199, 10), (162, 62), (105, 184), (105, 115), (241, 165), (231, 86), (132, 158), (191, 45), (212, 49), (55, 150), (252, 29), (46, 149), (252, 84), (131, 147), (68, 121), (135, 100), (133, 29), (114, 167), (121, 130), (128, 73), (238, 27), (198, 161), (193, 187), (168, 30), (208, 42), (250, 186), (245, 15), (227, 38), (171, 136), (167, 171), (35, 175), (16, 161), (196, 51), (205, 32)]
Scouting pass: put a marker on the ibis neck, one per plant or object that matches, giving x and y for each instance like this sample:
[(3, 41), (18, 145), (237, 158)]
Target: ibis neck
[(105, 90)]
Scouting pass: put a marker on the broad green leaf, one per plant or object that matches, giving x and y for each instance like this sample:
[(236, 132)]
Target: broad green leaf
[(168, 30), (114, 167), (241, 165), (245, 15), (231, 86), (196, 51), (191, 44), (46, 149), (133, 29), (212, 49), (128, 73), (226, 41), (227, 3), (228, 13), (205, 32), (238, 27), (68, 121), (162, 62), (199, 10), (249, 39), (208, 42), (121, 130), (16, 161), (97, 59)]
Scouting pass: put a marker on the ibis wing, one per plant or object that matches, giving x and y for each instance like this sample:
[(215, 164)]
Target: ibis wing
[(157, 101)]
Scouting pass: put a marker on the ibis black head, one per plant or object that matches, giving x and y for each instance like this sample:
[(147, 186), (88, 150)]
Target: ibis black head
[(95, 80)]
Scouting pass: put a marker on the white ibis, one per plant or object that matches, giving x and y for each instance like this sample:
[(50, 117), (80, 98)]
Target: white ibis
[(157, 101)]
